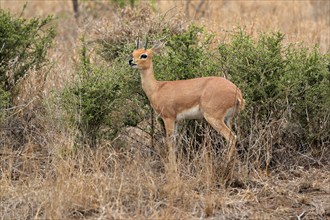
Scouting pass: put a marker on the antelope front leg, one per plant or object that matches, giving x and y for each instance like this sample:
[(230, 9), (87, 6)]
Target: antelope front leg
[(170, 127), (171, 167)]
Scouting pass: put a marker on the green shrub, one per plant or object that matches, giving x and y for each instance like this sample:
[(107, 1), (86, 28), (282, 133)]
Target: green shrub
[(256, 66), (103, 100), (305, 86), (23, 46), (282, 84), (188, 56)]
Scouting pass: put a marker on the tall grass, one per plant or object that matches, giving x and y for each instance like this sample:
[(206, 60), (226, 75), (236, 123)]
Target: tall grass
[(109, 183)]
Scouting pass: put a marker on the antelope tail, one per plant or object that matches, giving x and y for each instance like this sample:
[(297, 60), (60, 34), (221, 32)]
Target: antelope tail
[(240, 104)]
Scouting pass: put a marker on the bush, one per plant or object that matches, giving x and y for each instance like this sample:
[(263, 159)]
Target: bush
[(286, 88), (188, 56), (256, 65), (23, 46), (305, 86), (102, 101)]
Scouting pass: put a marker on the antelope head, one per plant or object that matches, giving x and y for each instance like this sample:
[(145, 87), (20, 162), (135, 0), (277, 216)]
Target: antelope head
[(142, 57)]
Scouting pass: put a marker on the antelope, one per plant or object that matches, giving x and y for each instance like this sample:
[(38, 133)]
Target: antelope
[(215, 99)]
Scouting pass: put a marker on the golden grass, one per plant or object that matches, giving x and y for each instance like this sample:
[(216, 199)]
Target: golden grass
[(301, 21), (49, 178), (121, 184)]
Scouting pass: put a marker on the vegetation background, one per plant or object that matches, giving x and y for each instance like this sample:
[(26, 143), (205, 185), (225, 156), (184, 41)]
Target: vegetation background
[(76, 138)]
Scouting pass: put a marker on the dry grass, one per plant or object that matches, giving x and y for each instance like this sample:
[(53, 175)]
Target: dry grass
[(301, 21), (112, 184), (45, 176)]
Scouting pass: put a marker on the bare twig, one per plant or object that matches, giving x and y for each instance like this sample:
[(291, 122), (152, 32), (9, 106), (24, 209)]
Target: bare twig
[(299, 217)]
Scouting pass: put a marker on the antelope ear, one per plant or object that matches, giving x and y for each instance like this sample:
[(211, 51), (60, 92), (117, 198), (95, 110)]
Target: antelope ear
[(158, 47)]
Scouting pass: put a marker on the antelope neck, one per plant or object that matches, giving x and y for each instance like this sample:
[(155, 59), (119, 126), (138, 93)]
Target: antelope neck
[(148, 81)]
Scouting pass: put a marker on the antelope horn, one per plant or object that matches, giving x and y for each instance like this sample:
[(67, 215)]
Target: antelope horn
[(137, 43), (145, 46)]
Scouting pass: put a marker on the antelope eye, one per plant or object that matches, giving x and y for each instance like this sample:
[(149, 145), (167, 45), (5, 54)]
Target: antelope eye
[(143, 56)]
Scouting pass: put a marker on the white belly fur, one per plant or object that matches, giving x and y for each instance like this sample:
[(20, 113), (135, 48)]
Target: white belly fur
[(192, 113)]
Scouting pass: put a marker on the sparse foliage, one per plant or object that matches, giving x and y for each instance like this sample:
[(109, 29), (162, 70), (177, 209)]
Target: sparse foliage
[(23, 46)]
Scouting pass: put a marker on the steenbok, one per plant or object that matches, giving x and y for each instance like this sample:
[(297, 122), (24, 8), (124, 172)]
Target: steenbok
[(214, 98)]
